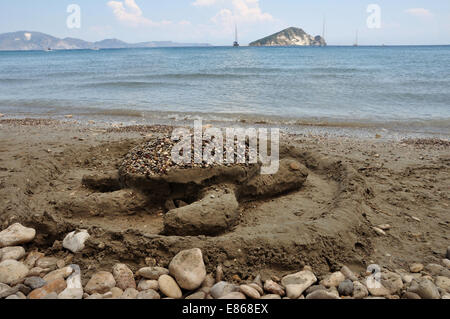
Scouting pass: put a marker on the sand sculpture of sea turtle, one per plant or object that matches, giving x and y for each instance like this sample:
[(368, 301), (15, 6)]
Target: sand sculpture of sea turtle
[(198, 199), (202, 199)]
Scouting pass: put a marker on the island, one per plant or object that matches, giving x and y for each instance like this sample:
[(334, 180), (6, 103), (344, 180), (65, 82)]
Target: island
[(290, 37), (29, 40)]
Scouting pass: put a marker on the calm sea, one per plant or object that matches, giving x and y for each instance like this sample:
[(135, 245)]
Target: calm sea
[(396, 88)]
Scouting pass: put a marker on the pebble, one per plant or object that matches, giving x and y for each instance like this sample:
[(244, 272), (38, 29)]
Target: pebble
[(379, 231), (152, 273), (297, 283), (14, 253), (59, 273), (38, 271), (219, 273), (130, 293), (425, 289), (250, 292), (101, 282), (257, 288), (188, 268), (333, 280), (410, 295), (222, 288), (416, 268), (321, 294), (168, 286), (274, 288), (348, 273), (148, 284), (346, 288), (197, 296), (446, 262), (75, 241), (124, 276), (35, 282), (32, 257), (95, 296), (15, 235), (384, 226), (56, 286), (116, 292), (148, 294), (234, 295), (12, 271), (314, 288), (6, 290), (437, 270), (443, 283), (359, 290), (271, 296), (47, 262)]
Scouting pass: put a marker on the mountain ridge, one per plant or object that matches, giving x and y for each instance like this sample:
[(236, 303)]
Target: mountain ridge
[(34, 40), (290, 37)]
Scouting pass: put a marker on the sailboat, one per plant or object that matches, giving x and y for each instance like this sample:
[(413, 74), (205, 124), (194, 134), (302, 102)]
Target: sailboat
[(356, 40), (236, 43)]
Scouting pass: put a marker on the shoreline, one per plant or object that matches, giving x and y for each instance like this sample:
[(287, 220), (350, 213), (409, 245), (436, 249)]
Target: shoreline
[(392, 130)]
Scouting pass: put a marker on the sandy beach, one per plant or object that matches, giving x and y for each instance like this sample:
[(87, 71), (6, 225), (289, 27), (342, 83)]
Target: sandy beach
[(355, 188)]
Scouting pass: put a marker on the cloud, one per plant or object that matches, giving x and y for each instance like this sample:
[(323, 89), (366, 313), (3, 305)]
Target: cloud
[(240, 11), (419, 12), (129, 13), (204, 3)]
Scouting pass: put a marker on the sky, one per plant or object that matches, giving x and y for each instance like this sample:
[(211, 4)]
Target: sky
[(399, 22)]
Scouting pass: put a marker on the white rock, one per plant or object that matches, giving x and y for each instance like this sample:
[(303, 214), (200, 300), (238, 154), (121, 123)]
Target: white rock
[(12, 272), (16, 234), (188, 268), (74, 289), (14, 253), (297, 283), (75, 241)]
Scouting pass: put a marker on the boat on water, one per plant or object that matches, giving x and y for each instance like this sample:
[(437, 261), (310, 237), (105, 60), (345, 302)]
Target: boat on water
[(356, 40), (48, 49), (236, 43)]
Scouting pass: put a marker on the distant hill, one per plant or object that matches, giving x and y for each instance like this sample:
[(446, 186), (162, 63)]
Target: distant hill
[(29, 40), (290, 37)]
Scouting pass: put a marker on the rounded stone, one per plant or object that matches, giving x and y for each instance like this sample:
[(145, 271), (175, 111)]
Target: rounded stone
[(234, 295), (130, 293), (346, 288), (75, 242), (321, 294), (250, 292), (169, 287), (35, 282), (101, 282), (16, 234), (148, 284), (188, 268), (148, 294), (124, 276), (12, 272), (222, 288), (333, 280), (14, 253), (152, 273), (297, 283), (274, 288), (416, 268)]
